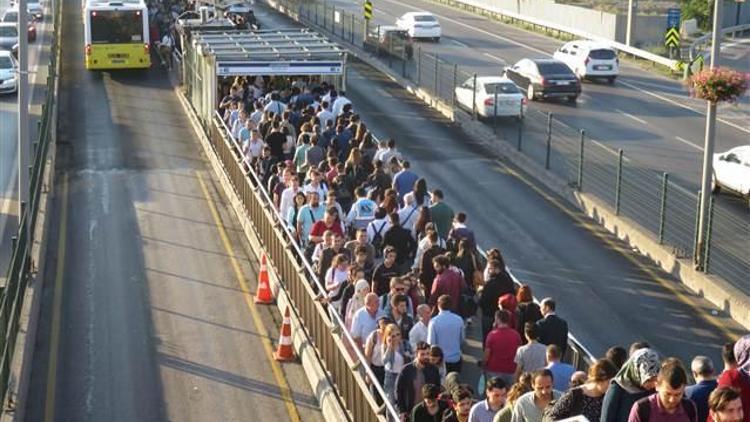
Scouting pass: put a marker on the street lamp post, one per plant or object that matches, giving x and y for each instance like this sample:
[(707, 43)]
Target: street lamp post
[(708, 149), (23, 115)]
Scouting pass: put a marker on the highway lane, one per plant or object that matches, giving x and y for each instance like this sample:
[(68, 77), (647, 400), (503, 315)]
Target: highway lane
[(38, 58), (144, 316), (649, 116), (608, 294)]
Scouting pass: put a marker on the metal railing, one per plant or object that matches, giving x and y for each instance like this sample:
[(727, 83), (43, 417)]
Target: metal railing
[(702, 42), (20, 267), (661, 206)]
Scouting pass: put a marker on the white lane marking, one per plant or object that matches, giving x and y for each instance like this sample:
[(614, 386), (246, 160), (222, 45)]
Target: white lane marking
[(686, 142), (495, 57), (628, 84), (733, 44), (636, 118), (458, 43)]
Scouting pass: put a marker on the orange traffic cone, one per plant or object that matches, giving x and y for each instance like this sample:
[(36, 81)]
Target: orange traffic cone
[(264, 295), (284, 352)]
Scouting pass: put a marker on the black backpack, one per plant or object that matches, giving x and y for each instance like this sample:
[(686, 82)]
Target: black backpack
[(377, 240)]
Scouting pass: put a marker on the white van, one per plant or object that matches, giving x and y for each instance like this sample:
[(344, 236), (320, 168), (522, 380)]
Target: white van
[(590, 60)]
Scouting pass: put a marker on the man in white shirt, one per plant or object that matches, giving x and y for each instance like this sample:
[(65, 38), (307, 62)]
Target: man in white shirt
[(275, 104), (287, 195), (419, 331), (338, 105), (365, 320), (324, 115), (408, 214)]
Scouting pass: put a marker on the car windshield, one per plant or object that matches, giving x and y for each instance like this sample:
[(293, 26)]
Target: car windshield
[(5, 63), (502, 88), (602, 54), (552, 68), (424, 18), (8, 31), (10, 17)]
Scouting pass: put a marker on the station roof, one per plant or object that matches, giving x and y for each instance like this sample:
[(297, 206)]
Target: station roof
[(268, 45)]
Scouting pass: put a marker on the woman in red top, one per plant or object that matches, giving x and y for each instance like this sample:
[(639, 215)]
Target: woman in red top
[(739, 378), (500, 349)]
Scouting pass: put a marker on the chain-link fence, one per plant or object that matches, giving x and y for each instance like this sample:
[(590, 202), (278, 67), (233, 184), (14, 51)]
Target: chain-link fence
[(646, 196)]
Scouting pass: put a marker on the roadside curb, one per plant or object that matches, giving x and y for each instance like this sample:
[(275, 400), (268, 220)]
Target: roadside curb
[(714, 289), (324, 391)]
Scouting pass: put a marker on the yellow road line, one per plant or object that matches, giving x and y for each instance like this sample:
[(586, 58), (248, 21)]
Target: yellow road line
[(596, 230), (286, 393), (49, 404)]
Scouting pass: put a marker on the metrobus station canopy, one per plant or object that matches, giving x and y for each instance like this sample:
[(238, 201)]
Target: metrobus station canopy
[(213, 55)]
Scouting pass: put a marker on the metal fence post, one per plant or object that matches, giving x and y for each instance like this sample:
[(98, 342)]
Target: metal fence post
[(419, 65), (352, 28), (494, 113), (455, 83), (580, 160), (709, 229), (316, 14), (520, 135), (618, 182), (437, 63), (474, 98), (698, 265), (549, 140), (663, 206)]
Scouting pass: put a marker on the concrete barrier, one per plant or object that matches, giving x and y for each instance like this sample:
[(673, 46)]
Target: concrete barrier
[(320, 382)]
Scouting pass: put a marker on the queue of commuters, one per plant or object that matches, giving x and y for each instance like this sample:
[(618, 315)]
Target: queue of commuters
[(401, 270)]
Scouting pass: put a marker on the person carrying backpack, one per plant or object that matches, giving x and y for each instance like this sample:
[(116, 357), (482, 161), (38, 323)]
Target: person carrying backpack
[(669, 403), (376, 231)]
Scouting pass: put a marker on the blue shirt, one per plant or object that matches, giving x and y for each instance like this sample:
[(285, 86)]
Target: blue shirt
[(361, 213), (404, 182), (447, 331), (307, 217), (699, 393), (561, 373)]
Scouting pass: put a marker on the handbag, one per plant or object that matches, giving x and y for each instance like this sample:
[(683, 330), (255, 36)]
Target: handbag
[(477, 277)]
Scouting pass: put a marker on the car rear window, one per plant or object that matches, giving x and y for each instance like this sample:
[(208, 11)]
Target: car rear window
[(602, 54), (8, 31), (5, 63), (10, 17), (424, 18), (553, 68), (502, 88)]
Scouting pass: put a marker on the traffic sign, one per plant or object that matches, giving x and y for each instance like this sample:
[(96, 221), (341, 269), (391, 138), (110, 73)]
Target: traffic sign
[(673, 18), (368, 10), (672, 37)]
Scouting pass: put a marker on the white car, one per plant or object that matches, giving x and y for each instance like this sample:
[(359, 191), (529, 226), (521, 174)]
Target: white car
[(420, 25), (8, 73), (590, 60), (35, 9), (510, 100), (732, 171)]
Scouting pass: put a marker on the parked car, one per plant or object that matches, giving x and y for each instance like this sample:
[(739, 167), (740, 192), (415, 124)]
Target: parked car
[(510, 99), (389, 39), (11, 16), (420, 25), (8, 72), (590, 60), (732, 171), (545, 78), (9, 37), (33, 6)]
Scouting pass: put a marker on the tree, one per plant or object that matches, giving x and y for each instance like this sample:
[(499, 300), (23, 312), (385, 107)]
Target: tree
[(700, 10)]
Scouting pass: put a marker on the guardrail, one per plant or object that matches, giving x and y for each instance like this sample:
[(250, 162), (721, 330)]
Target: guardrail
[(703, 41), (20, 268)]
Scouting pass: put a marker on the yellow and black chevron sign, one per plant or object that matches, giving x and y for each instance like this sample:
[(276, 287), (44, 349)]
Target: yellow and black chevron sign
[(368, 10), (672, 37)]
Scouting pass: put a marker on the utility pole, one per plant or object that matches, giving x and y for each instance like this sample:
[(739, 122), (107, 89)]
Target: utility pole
[(23, 116), (708, 149), (632, 14)]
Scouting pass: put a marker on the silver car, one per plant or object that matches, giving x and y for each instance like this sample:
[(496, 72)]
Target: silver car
[(34, 7), (8, 36)]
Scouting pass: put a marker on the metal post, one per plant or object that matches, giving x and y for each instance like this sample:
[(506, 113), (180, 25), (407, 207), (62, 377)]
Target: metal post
[(632, 6), (419, 65), (23, 115), (520, 135), (316, 14), (618, 182), (708, 149), (494, 113), (325, 15), (455, 84), (437, 79), (709, 229), (663, 206), (352, 28), (697, 227), (580, 160), (737, 14), (474, 98), (549, 140)]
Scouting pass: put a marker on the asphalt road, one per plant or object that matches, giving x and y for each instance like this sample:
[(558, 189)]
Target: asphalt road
[(143, 316), (607, 293), (38, 58)]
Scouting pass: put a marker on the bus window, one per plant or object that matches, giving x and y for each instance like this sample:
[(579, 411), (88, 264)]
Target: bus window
[(116, 27)]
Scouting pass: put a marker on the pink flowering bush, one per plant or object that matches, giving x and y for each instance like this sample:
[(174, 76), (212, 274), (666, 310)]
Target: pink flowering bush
[(718, 85)]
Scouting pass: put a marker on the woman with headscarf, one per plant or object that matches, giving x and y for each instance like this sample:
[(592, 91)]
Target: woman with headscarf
[(357, 302), (635, 380), (739, 377)]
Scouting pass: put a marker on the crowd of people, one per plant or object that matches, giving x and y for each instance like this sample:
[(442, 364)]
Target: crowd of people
[(402, 270)]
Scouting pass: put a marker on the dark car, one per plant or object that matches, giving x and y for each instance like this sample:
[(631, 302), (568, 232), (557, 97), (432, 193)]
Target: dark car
[(545, 78)]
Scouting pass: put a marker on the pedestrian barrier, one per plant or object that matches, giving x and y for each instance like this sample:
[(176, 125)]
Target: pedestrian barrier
[(21, 268), (651, 198)]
